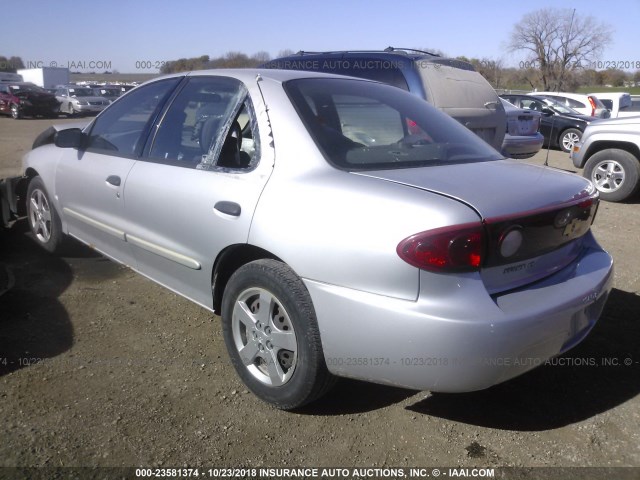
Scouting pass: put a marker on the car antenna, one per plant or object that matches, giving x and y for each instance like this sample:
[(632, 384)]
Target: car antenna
[(546, 160)]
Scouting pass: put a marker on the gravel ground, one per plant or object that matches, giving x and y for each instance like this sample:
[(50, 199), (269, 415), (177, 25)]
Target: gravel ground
[(101, 367)]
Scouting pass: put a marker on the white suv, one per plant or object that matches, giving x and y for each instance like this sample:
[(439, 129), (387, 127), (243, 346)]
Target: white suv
[(609, 152), (585, 104)]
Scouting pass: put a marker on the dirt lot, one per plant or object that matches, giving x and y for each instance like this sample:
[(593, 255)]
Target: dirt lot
[(101, 367)]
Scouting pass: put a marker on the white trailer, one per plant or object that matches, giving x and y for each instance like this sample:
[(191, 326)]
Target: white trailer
[(46, 77)]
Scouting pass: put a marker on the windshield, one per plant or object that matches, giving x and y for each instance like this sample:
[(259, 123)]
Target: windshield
[(108, 92), (80, 92), (365, 125)]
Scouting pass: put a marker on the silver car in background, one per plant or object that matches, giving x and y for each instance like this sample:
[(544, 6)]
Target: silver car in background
[(342, 227), (79, 100)]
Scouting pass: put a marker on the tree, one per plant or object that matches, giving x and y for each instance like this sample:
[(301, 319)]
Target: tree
[(559, 43), (10, 64), (491, 70), (614, 77), (287, 52)]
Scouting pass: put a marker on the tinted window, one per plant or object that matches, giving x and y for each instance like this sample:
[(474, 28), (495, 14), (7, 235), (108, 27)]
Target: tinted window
[(608, 104), (363, 125), (204, 111), (118, 130)]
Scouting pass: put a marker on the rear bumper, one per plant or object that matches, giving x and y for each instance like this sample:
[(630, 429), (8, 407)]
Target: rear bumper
[(525, 146), (456, 337)]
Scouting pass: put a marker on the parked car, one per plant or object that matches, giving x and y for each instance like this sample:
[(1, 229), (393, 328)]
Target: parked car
[(588, 105), (340, 226), (609, 152), (451, 85), (561, 126), (79, 100), (20, 99), (522, 140), (618, 103), (124, 88), (110, 92)]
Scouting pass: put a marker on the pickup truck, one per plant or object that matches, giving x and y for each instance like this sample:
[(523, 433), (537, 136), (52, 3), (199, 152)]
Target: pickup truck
[(609, 152)]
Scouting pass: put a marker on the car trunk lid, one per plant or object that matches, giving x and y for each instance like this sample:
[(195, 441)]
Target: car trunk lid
[(534, 218)]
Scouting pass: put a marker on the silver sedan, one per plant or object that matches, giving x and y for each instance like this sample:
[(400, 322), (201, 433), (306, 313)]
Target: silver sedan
[(79, 100), (341, 227)]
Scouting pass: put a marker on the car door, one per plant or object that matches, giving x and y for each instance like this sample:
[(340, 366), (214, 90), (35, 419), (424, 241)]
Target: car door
[(90, 181), (196, 191)]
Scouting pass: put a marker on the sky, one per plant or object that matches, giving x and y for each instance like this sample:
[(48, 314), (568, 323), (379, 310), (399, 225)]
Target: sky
[(137, 36)]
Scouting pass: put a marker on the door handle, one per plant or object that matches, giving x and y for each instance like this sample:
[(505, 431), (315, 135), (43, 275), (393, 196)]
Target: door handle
[(228, 208), (114, 180)]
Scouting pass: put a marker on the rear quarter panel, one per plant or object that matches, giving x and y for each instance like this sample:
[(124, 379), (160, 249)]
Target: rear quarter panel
[(336, 227)]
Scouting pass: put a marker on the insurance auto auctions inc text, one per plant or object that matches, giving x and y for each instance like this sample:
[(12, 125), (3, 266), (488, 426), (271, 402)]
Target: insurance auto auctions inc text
[(369, 473)]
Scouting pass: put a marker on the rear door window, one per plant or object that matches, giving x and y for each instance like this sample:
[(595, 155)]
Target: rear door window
[(570, 102)]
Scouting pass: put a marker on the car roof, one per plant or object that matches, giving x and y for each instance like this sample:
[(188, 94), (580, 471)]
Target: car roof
[(611, 94), (562, 94), (399, 56), (248, 75)]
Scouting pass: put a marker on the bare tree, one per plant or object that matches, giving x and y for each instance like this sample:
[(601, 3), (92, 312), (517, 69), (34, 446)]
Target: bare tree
[(559, 43), (287, 52)]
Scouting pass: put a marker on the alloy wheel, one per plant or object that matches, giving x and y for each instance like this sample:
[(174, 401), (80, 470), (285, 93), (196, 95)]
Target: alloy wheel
[(40, 215), (264, 337), (608, 176), (569, 140)]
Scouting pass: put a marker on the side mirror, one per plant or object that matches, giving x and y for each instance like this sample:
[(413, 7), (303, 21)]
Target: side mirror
[(547, 112), (69, 138)]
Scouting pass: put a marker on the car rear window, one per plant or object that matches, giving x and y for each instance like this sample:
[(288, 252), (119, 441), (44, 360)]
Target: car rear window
[(607, 103), (361, 125)]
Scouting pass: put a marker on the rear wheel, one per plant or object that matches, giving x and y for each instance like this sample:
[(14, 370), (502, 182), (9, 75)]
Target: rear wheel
[(569, 138), (272, 335), (615, 173), (44, 221)]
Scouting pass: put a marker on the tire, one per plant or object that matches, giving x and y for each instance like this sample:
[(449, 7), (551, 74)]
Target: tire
[(44, 221), (568, 138), (615, 173), (272, 336), (16, 114)]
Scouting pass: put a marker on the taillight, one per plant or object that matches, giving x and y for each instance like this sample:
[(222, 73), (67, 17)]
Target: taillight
[(459, 248), (593, 106)]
